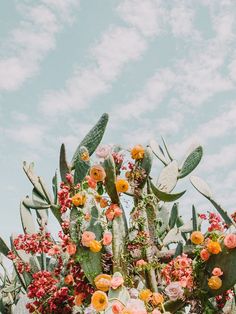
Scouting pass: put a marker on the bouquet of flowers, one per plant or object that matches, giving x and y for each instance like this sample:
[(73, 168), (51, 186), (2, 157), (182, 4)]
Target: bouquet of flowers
[(102, 262)]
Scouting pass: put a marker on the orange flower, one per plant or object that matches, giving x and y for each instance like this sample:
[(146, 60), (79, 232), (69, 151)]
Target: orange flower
[(79, 199), (145, 295), (79, 298), (69, 280), (137, 152), (95, 246), (197, 237), (97, 173), (103, 202), (103, 282), (99, 301), (214, 282), (204, 254), (157, 298), (113, 211), (214, 247), (71, 248), (122, 185), (84, 156)]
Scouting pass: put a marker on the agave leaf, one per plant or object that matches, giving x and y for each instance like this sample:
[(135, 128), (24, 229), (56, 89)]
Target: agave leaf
[(157, 152), (55, 187), (167, 149), (173, 236), (191, 162), (166, 197), (179, 249), (173, 215), (63, 164), (93, 138), (81, 166), (168, 177), (26, 219)]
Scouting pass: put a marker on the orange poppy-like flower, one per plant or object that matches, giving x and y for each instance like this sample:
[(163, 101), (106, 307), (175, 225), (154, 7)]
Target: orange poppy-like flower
[(71, 248), (122, 185), (99, 301), (95, 246), (145, 295), (69, 280), (197, 237), (103, 202), (103, 282), (214, 282), (79, 199), (79, 298), (97, 173), (157, 298), (214, 247), (137, 152)]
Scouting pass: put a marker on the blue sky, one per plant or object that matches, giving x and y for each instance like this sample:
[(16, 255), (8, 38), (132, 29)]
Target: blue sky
[(157, 67)]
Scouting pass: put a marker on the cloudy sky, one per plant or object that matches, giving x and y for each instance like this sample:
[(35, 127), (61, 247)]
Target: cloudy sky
[(157, 67)]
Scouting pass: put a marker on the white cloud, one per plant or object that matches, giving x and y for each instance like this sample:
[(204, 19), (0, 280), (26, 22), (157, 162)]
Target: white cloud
[(33, 38), (181, 21), (29, 134)]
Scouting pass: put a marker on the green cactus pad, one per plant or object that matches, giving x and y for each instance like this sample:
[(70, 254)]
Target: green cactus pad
[(165, 197), (191, 162), (63, 164)]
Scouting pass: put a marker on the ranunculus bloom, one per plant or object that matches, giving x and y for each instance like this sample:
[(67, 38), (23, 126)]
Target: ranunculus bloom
[(214, 247), (95, 246), (214, 282), (103, 202), (230, 241), (145, 295), (79, 199), (103, 282), (197, 237), (113, 211), (122, 185), (69, 280), (99, 301), (91, 182), (157, 298), (87, 237), (103, 151), (79, 298), (116, 282), (204, 254), (217, 272), (71, 248), (97, 173), (117, 308), (141, 263), (174, 291), (107, 238), (137, 152)]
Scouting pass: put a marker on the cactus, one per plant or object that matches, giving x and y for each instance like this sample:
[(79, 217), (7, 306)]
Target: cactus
[(191, 162), (63, 164)]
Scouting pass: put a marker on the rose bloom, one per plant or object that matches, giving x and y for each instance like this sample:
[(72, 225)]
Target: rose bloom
[(135, 306), (204, 254), (214, 247), (103, 282), (107, 238), (122, 185), (156, 312), (99, 301), (79, 199), (197, 237), (95, 246), (117, 308), (141, 263), (69, 280), (71, 249), (157, 298), (116, 282), (103, 151), (145, 295), (91, 182), (214, 283), (230, 241), (97, 173), (217, 272), (87, 237), (113, 211), (137, 152), (174, 291), (79, 298)]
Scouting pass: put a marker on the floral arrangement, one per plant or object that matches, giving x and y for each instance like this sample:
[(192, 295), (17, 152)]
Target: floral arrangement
[(100, 262)]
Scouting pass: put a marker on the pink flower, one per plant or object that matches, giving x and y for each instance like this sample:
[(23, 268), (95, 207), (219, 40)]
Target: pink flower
[(136, 306), (91, 182), (87, 237), (55, 250), (117, 307), (107, 238), (69, 178), (117, 211), (103, 151), (217, 272), (230, 241), (174, 291), (204, 254), (156, 312), (116, 282), (141, 263)]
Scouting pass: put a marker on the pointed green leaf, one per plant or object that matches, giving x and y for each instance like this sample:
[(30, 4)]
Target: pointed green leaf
[(3, 247), (157, 152), (194, 219), (63, 164), (173, 215)]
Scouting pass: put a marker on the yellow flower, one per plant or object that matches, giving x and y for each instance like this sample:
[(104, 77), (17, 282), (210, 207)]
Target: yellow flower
[(214, 247), (99, 301), (84, 156), (122, 185), (137, 152), (214, 282), (103, 282), (145, 295), (95, 246), (197, 237), (79, 199), (157, 298)]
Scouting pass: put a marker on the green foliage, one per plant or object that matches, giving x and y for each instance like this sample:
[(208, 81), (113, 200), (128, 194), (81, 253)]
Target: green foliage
[(166, 197), (63, 164), (191, 162), (81, 166)]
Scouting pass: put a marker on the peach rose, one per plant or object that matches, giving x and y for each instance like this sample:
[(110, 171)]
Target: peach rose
[(230, 241), (107, 238), (87, 237), (117, 308), (116, 282), (217, 272), (97, 173), (204, 254), (141, 263), (71, 249)]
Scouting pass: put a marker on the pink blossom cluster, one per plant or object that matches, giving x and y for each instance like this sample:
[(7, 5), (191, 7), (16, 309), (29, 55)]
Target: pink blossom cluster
[(64, 197), (215, 221), (19, 264), (179, 270)]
